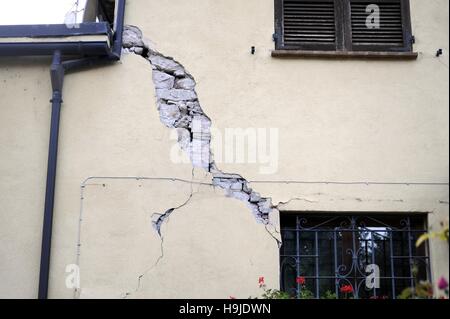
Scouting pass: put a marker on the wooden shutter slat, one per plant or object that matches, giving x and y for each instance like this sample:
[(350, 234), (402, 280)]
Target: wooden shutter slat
[(390, 32), (308, 22)]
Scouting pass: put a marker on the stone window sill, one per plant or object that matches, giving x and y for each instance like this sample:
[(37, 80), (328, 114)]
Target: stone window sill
[(344, 54)]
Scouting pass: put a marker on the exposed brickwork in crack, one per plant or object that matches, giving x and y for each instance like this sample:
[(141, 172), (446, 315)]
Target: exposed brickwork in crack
[(179, 108)]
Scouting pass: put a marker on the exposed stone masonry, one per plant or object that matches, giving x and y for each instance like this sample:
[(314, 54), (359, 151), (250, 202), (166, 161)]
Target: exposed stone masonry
[(179, 108)]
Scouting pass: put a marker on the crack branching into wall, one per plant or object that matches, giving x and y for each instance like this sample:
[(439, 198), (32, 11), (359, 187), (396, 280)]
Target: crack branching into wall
[(158, 220), (179, 108)]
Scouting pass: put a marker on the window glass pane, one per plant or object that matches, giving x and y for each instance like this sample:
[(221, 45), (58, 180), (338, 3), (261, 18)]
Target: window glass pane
[(288, 275), (421, 268), (402, 267), (307, 267), (307, 243), (289, 246), (326, 254), (382, 252), (344, 252), (418, 251)]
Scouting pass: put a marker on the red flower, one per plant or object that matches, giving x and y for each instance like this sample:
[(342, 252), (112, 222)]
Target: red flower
[(347, 289), (442, 284), (261, 281), (300, 280)]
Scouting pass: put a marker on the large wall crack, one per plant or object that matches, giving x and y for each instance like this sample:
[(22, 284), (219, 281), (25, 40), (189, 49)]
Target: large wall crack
[(179, 108)]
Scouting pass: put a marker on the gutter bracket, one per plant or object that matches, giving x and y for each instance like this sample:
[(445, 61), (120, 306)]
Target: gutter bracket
[(57, 72)]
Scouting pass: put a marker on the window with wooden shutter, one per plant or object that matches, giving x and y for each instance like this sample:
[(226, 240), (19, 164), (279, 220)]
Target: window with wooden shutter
[(343, 25)]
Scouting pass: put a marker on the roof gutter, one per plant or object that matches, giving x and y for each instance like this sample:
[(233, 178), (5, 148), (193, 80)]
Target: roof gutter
[(86, 54), (47, 48), (87, 39)]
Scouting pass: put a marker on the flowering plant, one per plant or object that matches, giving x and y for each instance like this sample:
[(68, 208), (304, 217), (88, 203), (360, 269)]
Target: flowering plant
[(271, 293), (442, 235), (443, 284), (303, 293), (300, 280), (346, 290), (424, 289)]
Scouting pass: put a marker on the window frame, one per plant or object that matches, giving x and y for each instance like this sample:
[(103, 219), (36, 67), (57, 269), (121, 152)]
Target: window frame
[(298, 224), (343, 30)]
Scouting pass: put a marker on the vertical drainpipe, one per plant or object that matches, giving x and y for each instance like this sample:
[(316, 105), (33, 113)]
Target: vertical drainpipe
[(57, 76), (57, 71), (118, 28)]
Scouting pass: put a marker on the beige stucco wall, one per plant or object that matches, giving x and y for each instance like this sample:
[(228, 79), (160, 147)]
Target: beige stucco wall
[(338, 120)]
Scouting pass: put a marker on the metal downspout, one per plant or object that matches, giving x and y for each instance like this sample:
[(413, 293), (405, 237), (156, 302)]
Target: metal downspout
[(57, 71), (57, 77)]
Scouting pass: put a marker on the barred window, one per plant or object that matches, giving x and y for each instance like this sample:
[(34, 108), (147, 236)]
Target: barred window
[(343, 25), (334, 256)]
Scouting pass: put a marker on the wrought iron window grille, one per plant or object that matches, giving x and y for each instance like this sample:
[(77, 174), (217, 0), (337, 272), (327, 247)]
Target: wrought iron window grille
[(323, 253)]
